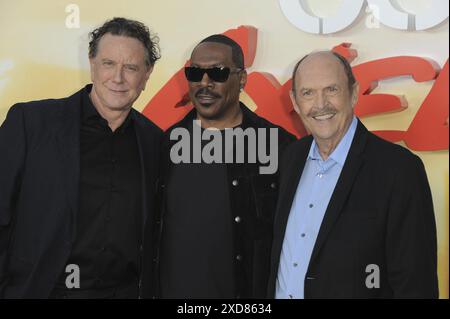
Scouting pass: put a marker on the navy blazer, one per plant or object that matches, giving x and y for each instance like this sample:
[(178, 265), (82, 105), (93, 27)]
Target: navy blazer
[(380, 212)]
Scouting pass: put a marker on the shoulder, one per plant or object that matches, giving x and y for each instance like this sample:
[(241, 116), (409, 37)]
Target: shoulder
[(284, 136), (39, 106), (389, 154), (47, 107), (301, 145), (146, 123)]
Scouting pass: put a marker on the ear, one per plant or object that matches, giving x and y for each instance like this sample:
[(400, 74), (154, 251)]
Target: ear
[(243, 79), (294, 102), (355, 94), (147, 76), (92, 65)]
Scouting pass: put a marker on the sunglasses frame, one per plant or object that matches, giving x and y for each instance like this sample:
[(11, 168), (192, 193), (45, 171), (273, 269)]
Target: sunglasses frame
[(213, 73)]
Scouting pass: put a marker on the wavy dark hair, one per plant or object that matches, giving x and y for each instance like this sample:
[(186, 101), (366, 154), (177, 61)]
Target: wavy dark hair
[(129, 28)]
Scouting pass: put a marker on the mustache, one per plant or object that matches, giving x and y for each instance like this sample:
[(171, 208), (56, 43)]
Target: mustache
[(206, 91), (326, 110)]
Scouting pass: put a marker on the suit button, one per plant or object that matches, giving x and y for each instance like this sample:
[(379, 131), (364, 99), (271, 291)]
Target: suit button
[(238, 257), (235, 182), (273, 185), (237, 219)]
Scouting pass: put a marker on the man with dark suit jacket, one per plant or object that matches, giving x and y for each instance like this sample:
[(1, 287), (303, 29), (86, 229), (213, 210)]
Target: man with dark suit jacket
[(355, 218), (77, 179)]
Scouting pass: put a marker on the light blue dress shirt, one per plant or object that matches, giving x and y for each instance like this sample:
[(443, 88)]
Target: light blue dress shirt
[(311, 200)]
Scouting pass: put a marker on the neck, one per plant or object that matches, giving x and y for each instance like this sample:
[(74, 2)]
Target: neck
[(231, 119), (115, 118), (327, 146)]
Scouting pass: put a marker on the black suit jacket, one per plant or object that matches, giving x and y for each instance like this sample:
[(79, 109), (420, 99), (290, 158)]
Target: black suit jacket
[(380, 212), (39, 190)]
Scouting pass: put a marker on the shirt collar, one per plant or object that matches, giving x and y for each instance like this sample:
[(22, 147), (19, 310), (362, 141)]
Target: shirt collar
[(88, 109), (339, 154)]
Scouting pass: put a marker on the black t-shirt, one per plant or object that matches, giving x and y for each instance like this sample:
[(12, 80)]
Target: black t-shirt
[(197, 242)]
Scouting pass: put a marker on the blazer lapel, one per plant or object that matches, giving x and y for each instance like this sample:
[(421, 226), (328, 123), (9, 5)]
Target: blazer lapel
[(343, 187), (293, 172), (68, 141), (148, 161)]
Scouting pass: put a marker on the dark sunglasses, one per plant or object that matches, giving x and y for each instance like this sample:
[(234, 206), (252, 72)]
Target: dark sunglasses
[(217, 74)]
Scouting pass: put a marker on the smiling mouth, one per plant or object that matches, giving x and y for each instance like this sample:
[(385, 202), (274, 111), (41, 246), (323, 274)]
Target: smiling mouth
[(324, 117), (118, 91)]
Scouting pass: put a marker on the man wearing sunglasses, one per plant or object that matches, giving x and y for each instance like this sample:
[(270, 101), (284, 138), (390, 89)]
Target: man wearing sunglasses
[(215, 226)]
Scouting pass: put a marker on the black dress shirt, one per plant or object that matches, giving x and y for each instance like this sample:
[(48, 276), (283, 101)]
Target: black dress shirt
[(109, 220)]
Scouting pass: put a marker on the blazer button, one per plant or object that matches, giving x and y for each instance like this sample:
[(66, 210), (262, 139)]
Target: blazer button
[(273, 185), (238, 257), (235, 182), (237, 219)]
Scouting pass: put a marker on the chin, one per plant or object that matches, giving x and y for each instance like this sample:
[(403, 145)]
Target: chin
[(118, 107), (323, 134), (208, 112)]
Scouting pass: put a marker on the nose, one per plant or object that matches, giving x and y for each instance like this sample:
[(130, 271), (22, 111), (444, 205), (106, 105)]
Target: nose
[(320, 100), (118, 76), (206, 81)]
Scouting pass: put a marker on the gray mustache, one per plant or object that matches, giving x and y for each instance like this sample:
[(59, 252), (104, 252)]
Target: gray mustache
[(326, 110)]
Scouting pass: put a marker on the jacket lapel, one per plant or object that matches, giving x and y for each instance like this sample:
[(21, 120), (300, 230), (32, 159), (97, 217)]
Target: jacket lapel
[(68, 142), (292, 171), (145, 159), (343, 188)]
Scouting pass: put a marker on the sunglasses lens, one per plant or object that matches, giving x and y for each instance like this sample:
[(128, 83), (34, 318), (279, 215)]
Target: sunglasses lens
[(194, 74), (218, 74)]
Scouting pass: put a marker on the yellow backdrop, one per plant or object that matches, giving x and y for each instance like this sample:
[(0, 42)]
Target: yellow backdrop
[(44, 54)]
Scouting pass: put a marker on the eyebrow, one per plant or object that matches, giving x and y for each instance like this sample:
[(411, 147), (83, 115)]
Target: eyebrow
[(325, 87), (131, 64)]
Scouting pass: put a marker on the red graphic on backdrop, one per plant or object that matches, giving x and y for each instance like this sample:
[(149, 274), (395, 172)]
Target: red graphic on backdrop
[(429, 130)]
